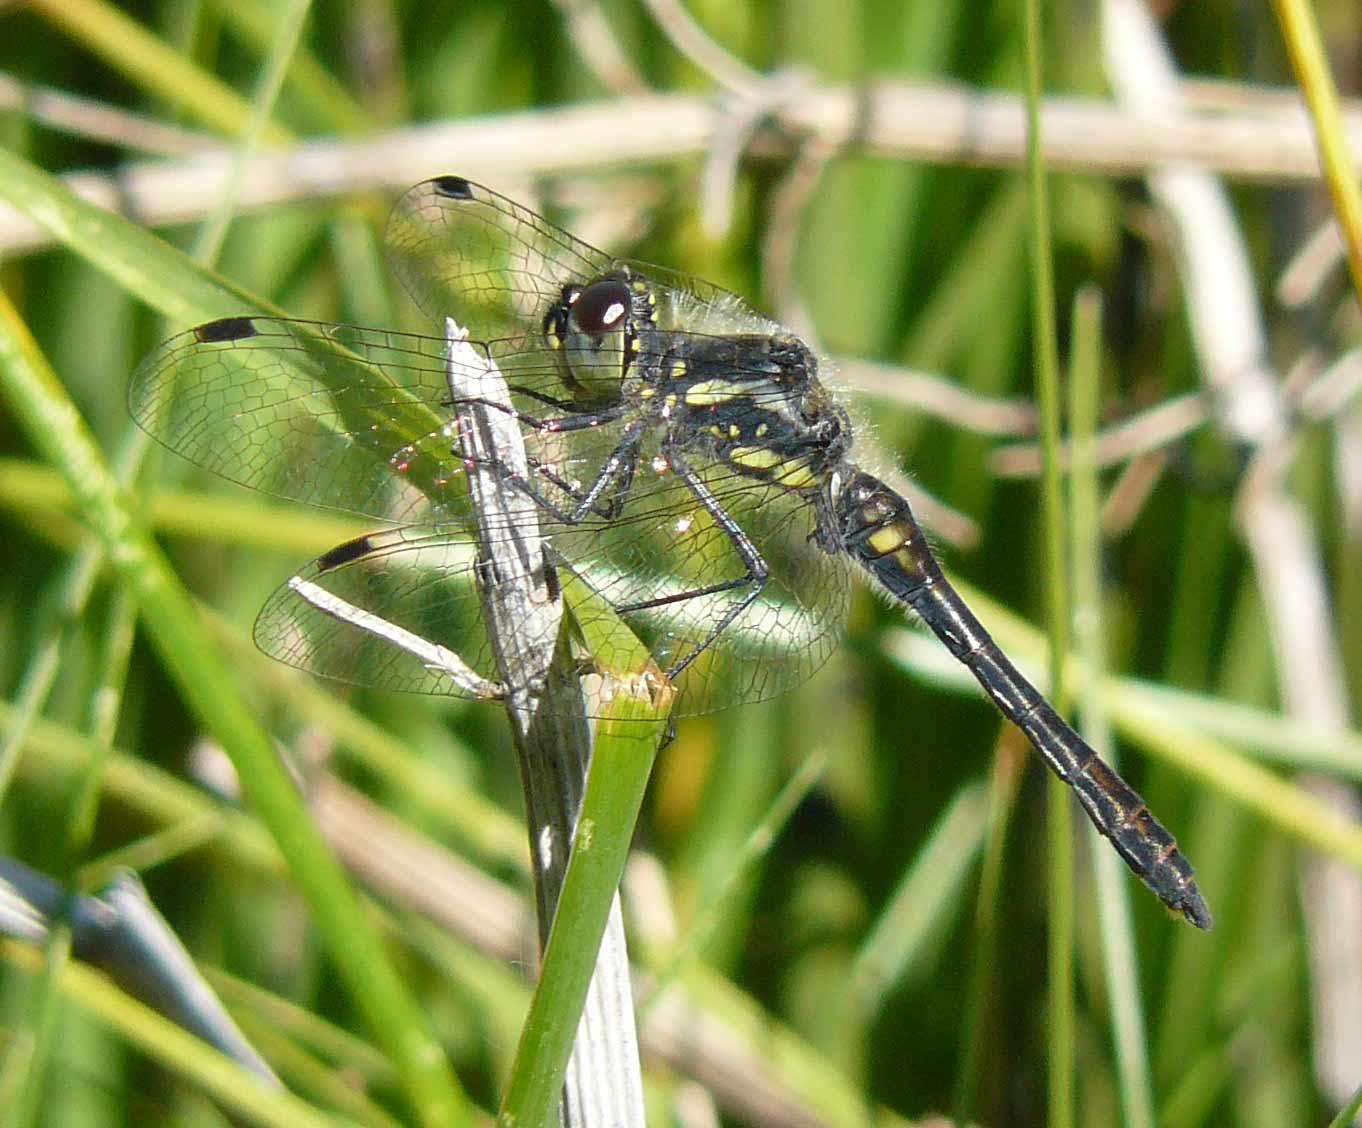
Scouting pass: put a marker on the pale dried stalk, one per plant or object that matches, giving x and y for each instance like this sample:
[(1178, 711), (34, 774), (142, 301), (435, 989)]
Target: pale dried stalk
[(521, 611), (943, 124), (1228, 334)]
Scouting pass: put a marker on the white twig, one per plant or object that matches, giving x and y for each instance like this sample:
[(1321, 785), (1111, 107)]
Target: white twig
[(99, 121), (604, 1084), (679, 26), (1142, 433), (595, 41)]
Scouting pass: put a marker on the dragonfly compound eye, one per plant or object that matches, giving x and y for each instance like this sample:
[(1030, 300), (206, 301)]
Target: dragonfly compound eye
[(601, 308), (596, 336)]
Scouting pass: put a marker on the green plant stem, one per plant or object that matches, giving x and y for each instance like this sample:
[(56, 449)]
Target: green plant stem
[(1118, 940), (621, 762), (1300, 30), (1060, 932), (55, 427)]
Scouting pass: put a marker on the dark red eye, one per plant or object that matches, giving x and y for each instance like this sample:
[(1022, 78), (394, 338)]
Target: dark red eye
[(601, 308)]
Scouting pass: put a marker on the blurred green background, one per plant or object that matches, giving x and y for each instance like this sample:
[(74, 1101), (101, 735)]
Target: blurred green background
[(858, 960)]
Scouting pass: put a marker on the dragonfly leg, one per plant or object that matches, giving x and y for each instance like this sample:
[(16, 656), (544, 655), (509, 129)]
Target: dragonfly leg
[(617, 471), (756, 573), (612, 508)]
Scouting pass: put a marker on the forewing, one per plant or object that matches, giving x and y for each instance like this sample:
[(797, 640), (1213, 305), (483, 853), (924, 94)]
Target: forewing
[(331, 415), (466, 252)]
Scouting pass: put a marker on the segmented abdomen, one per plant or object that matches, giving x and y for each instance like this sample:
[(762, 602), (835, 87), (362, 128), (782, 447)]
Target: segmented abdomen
[(878, 530)]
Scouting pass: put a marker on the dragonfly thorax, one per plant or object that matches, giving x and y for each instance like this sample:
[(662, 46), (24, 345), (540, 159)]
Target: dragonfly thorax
[(753, 403)]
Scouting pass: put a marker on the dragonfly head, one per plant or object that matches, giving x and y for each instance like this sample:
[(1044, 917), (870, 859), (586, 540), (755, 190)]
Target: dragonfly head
[(592, 330)]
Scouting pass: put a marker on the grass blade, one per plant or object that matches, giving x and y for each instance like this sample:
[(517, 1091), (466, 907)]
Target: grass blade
[(53, 425)]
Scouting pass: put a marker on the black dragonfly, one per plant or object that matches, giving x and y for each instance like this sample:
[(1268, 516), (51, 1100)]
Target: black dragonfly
[(683, 457)]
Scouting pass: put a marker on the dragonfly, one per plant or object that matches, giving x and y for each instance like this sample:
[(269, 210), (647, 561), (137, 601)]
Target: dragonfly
[(683, 456)]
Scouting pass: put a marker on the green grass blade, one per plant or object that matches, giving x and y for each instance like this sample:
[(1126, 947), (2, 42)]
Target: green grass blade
[(146, 267), (920, 903), (1300, 30), (1008, 762), (712, 903), (208, 243), (1060, 1018), (634, 712), (314, 87), (1118, 938), (152, 64), (1349, 1111), (207, 681), (165, 1042)]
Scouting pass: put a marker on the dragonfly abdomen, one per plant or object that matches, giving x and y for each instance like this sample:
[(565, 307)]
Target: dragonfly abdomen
[(877, 529)]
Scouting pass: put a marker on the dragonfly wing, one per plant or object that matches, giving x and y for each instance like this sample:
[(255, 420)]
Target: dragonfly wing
[(397, 609), (694, 305), (330, 415), (467, 252)]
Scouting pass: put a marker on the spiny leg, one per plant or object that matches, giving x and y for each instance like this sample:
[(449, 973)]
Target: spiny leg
[(618, 470), (757, 570), (612, 508)]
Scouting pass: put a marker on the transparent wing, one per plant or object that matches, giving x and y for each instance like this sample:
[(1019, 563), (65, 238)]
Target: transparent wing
[(384, 593), (665, 550), (376, 610), (361, 420), (330, 415), (464, 251)]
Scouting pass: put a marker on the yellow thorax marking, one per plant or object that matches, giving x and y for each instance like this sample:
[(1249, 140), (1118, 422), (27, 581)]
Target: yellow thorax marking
[(703, 393), (796, 474), (755, 458)]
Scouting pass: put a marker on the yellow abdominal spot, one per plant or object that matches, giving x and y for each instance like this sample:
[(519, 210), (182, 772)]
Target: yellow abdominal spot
[(885, 539), (706, 392), (909, 560)]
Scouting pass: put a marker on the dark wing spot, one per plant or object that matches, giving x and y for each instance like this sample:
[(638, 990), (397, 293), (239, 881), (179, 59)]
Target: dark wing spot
[(226, 329), (455, 187), (344, 553)]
